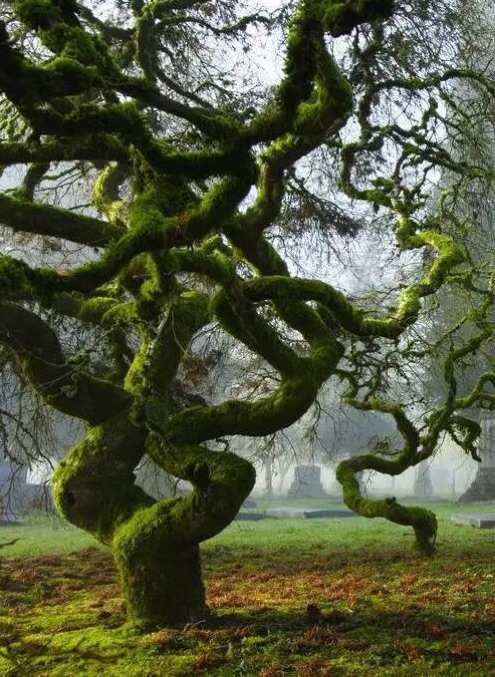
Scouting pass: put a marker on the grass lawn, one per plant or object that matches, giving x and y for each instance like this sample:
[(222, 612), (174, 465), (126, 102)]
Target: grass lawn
[(376, 608)]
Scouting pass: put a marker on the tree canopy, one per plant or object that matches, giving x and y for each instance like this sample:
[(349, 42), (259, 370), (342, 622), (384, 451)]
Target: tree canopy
[(194, 175)]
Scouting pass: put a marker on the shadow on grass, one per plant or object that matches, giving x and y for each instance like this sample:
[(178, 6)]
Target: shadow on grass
[(384, 607)]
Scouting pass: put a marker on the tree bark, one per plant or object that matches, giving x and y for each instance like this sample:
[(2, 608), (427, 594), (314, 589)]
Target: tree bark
[(155, 543), (161, 580)]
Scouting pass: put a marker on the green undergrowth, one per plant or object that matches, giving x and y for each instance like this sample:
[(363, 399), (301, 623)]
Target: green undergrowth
[(289, 597)]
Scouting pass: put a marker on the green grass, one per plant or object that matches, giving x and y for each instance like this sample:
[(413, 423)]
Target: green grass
[(375, 606), (40, 534)]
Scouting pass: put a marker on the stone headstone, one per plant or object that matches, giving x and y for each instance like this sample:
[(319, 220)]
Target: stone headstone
[(483, 486), (307, 482), (286, 512), (307, 513), (334, 514), (249, 516), (249, 503), (481, 520)]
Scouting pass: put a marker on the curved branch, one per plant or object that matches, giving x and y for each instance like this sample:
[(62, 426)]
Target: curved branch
[(62, 385), (354, 320), (41, 219)]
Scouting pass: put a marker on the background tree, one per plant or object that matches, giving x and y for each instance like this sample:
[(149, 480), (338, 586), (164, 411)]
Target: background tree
[(190, 179)]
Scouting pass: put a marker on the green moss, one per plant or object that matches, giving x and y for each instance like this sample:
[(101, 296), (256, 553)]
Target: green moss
[(14, 277), (261, 417), (423, 521), (161, 576), (93, 310), (120, 314), (93, 486), (74, 47), (105, 194), (340, 17), (156, 550), (135, 380), (157, 360), (37, 13), (145, 214), (66, 67)]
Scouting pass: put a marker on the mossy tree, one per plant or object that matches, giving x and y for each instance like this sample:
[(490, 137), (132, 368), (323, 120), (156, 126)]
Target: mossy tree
[(186, 190)]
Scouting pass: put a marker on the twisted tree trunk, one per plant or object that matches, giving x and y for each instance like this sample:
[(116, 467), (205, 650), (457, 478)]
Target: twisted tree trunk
[(155, 543)]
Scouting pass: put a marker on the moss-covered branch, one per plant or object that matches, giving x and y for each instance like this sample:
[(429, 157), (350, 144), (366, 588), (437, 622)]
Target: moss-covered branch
[(423, 521), (41, 219), (280, 288), (62, 385), (419, 447)]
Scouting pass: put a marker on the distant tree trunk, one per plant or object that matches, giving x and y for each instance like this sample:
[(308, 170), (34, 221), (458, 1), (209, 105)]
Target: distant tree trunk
[(423, 487), (269, 476), (283, 469)]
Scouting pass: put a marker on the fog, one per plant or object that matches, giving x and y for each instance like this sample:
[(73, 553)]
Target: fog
[(451, 472)]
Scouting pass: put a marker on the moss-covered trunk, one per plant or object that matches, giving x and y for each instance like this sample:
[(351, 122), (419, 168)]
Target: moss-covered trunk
[(162, 583), (155, 543)]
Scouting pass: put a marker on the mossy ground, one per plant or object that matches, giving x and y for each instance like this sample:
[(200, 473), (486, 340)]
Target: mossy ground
[(378, 608)]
